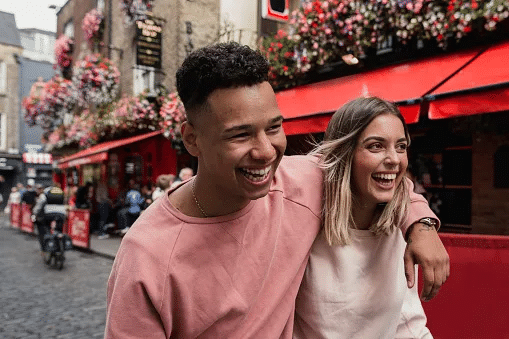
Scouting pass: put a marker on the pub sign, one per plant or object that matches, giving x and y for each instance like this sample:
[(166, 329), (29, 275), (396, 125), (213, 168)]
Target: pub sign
[(148, 43)]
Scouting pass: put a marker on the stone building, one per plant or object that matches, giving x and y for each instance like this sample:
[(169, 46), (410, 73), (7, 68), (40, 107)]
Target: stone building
[(186, 25), (36, 64), (10, 53)]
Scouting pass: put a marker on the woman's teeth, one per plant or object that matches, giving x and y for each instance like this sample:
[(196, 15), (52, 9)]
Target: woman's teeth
[(384, 176)]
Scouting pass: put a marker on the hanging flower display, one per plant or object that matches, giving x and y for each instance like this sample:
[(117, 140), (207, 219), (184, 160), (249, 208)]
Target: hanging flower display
[(130, 114), (81, 130), (173, 115), (55, 139), (93, 26), (96, 80), (494, 12), (48, 103), (136, 9), (33, 105), (280, 51), (327, 31), (63, 51)]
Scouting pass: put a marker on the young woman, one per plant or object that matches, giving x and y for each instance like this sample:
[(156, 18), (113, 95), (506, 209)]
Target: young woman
[(354, 285)]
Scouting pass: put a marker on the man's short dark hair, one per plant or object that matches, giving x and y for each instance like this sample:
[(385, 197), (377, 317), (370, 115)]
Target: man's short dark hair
[(224, 65)]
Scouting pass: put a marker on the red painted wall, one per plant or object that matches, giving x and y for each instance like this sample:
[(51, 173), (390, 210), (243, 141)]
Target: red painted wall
[(474, 302)]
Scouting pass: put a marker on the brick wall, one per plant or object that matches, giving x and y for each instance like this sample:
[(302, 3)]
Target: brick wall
[(76, 10), (490, 206)]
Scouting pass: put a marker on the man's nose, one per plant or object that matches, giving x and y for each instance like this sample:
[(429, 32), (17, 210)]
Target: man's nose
[(263, 148)]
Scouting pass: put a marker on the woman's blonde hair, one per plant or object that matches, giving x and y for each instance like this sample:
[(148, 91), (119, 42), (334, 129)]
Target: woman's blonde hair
[(336, 155)]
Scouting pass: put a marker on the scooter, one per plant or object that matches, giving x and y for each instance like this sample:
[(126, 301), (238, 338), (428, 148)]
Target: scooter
[(55, 245)]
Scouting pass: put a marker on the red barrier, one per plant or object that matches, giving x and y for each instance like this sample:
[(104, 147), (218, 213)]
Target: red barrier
[(78, 227), (26, 219), (474, 302), (15, 215)]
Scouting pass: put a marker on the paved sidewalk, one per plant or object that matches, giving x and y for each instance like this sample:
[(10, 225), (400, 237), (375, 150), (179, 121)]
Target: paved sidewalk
[(105, 247)]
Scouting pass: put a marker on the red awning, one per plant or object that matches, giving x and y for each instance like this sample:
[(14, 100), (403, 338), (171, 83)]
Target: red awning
[(308, 108), (482, 86), (99, 153)]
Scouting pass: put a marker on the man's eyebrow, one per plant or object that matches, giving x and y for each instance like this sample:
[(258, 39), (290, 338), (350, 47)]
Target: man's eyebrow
[(246, 126)]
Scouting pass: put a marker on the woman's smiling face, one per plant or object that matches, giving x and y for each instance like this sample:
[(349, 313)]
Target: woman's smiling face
[(380, 160)]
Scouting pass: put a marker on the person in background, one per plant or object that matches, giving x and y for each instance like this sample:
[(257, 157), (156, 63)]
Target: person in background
[(48, 208), (354, 286), (132, 207), (146, 193), (84, 196), (21, 188), (14, 198), (163, 183), (29, 195), (103, 209), (224, 255), (184, 174), (70, 191)]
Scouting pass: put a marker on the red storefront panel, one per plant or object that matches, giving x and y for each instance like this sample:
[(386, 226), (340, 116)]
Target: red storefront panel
[(482, 86), (474, 302), (16, 215), (26, 219), (78, 227)]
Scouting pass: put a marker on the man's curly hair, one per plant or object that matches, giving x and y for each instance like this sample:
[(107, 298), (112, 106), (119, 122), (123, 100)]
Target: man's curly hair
[(224, 65)]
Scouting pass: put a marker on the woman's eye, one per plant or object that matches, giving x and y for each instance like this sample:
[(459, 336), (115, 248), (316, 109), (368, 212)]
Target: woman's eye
[(375, 146), (402, 147)]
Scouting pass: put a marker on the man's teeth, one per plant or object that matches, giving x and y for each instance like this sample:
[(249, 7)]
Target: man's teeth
[(256, 174), (384, 176)]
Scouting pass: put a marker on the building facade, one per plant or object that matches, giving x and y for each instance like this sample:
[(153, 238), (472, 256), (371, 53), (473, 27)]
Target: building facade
[(10, 54)]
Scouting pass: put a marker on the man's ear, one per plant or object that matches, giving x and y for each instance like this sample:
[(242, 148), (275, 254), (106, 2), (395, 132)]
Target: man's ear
[(189, 138)]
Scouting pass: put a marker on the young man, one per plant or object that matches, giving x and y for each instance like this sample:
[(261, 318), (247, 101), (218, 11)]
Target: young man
[(223, 256)]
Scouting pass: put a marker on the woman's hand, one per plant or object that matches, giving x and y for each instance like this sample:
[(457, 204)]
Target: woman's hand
[(426, 249)]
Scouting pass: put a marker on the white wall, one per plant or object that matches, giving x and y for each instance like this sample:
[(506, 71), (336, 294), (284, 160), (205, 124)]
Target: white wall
[(242, 16)]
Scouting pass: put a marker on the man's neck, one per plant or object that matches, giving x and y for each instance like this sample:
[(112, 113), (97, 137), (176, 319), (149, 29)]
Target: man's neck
[(204, 201)]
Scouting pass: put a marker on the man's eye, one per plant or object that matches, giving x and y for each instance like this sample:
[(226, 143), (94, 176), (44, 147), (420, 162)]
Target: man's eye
[(275, 128), (240, 135)]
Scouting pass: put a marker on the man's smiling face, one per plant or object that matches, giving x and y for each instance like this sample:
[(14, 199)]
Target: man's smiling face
[(241, 142)]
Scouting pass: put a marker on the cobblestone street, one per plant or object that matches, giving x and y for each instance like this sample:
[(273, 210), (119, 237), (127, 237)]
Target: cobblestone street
[(41, 302)]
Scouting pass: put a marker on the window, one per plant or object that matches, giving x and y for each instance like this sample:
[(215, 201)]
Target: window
[(69, 29), (3, 131), (3, 77), (100, 5), (501, 170), (144, 79)]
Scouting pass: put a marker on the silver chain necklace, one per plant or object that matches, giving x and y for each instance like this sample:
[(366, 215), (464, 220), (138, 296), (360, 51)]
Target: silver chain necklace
[(196, 200)]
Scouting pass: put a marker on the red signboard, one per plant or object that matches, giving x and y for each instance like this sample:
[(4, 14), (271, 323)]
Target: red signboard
[(275, 9), (78, 223), (15, 215), (26, 219)]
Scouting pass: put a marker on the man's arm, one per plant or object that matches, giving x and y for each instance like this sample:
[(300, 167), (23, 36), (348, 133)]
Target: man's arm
[(424, 247), (131, 312)]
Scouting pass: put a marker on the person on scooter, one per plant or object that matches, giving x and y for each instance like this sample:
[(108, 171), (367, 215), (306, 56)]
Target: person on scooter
[(49, 207)]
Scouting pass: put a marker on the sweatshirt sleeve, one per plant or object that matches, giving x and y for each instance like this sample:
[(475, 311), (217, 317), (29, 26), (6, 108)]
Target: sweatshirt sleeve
[(412, 320), (418, 209), (133, 298)]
